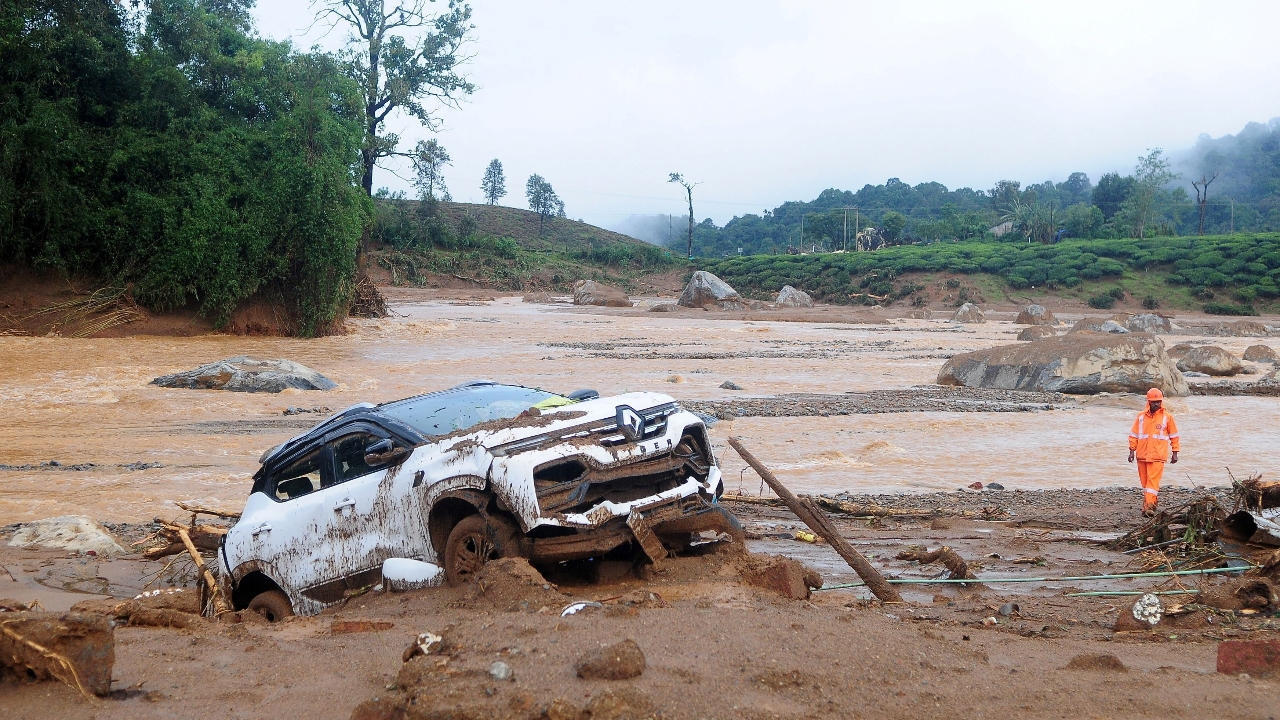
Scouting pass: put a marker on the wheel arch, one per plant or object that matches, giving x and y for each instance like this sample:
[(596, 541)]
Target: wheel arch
[(449, 509), (251, 584)]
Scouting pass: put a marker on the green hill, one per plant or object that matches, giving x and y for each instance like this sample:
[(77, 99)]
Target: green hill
[(503, 247), (1223, 274)]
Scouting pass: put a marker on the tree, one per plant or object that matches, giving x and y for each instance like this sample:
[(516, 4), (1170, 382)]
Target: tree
[(892, 223), (1143, 206), (1004, 194), (1111, 192), (494, 183), (395, 73), (1202, 195), (543, 199), (688, 189), (1034, 221), (1075, 189), (429, 158)]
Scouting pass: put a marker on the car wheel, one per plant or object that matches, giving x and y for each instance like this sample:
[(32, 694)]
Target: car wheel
[(272, 605), (472, 543)]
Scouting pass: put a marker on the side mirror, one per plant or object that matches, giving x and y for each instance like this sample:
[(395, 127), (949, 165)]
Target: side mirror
[(379, 447), (384, 452)]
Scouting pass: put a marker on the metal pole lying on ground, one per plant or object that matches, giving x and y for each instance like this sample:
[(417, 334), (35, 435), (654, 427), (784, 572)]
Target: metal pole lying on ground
[(807, 511)]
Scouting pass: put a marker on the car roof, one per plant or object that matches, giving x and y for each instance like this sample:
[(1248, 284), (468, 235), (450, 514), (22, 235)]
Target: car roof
[(370, 413)]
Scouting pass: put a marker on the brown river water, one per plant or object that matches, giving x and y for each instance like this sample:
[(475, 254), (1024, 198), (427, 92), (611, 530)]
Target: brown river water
[(89, 401)]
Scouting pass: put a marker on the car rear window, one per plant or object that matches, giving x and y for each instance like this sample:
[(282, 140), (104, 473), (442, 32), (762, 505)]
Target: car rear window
[(452, 410)]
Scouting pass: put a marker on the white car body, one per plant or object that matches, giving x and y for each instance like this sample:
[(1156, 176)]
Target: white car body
[(644, 469)]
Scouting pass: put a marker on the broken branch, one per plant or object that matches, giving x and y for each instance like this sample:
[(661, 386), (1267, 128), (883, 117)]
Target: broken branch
[(218, 606), (198, 510), (812, 515)]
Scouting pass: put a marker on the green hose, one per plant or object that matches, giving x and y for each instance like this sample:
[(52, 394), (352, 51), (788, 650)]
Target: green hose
[(1103, 593)]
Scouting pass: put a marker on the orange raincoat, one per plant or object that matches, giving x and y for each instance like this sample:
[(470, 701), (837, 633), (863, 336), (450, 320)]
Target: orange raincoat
[(1151, 439)]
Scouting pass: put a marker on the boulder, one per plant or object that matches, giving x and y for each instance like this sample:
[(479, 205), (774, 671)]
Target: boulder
[(1035, 332), (1179, 351), (708, 291), (73, 533), (245, 374), (1079, 362), (540, 297), (620, 661), (791, 297), (1150, 323), (665, 307), (1102, 325), (590, 292), (920, 314), (969, 314), (1036, 315), (1211, 360), (1260, 353), (1239, 328)]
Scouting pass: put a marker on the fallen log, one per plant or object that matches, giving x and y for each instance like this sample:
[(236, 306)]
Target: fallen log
[(949, 558), (205, 537), (210, 585), (812, 515), (199, 510)]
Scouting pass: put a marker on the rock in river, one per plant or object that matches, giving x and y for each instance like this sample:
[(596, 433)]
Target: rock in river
[(1210, 360), (1079, 362), (1149, 322), (1260, 353), (246, 374), (970, 314), (791, 297), (590, 292), (708, 291), (1036, 315), (1035, 332)]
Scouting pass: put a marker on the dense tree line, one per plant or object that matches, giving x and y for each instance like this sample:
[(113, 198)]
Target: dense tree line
[(171, 149), (1153, 200)]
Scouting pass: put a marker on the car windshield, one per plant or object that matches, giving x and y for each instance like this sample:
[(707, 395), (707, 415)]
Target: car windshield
[(452, 410)]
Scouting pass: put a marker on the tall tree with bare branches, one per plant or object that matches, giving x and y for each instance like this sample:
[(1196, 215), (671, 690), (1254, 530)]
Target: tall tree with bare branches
[(405, 59), (688, 189), (1202, 195)]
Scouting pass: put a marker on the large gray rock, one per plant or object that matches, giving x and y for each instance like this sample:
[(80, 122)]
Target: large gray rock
[(1210, 360), (1036, 315), (791, 297), (1102, 325), (1149, 322), (708, 291), (590, 292), (969, 314), (1260, 353), (73, 533), (1081, 363), (1239, 328), (245, 374)]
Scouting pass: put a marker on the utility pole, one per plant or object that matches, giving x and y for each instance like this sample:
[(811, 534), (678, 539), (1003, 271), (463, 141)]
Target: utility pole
[(845, 245), (801, 230), (1233, 216)]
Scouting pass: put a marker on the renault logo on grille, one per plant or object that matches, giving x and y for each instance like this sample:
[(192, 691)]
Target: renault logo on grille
[(630, 423)]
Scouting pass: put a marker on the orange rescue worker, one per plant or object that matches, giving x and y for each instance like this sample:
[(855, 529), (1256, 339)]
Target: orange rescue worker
[(1154, 439)]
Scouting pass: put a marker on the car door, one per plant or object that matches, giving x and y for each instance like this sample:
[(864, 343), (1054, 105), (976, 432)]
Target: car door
[(373, 514)]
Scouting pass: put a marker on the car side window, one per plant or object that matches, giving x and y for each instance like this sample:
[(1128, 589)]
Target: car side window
[(349, 459), (301, 477)]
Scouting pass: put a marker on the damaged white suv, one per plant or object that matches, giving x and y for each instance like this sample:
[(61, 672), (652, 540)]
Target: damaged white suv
[(466, 475)]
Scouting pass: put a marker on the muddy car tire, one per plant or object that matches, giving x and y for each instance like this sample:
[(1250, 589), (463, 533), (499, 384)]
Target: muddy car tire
[(272, 605), (474, 542)]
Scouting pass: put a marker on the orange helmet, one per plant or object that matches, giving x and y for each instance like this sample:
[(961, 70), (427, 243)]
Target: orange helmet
[(1155, 394)]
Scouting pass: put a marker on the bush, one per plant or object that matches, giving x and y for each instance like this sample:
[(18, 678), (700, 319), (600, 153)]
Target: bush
[(1150, 302), (1116, 292), (1104, 301), (1226, 309)]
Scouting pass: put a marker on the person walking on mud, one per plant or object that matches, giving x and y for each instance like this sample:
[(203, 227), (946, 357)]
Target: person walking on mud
[(1153, 439)]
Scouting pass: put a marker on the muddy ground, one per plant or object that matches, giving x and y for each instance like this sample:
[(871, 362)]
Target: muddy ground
[(714, 646)]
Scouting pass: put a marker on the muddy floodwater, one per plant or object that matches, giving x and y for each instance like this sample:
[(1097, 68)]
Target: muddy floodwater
[(126, 449)]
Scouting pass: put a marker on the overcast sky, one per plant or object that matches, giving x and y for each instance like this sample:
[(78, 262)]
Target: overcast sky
[(764, 102)]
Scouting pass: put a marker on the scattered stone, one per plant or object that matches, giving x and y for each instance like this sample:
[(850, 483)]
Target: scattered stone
[(1260, 658), (969, 314), (1078, 363), (84, 640), (975, 485), (620, 661), (501, 671), (994, 486), (665, 307), (920, 314), (245, 374), (1097, 661), (1036, 332), (783, 575), (320, 409), (541, 298), (675, 379), (791, 297), (710, 292), (1211, 360), (729, 385), (1150, 323), (1260, 353), (1036, 315), (590, 292), (74, 533)]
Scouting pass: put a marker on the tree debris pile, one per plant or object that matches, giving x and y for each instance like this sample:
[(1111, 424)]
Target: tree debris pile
[(367, 301), (1180, 532)]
